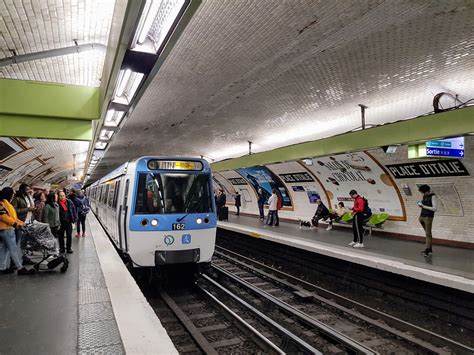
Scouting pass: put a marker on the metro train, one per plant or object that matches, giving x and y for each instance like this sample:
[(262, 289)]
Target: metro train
[(159, 211)]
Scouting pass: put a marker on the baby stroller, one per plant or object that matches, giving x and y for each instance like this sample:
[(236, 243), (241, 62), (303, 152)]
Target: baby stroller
[(43, 248)]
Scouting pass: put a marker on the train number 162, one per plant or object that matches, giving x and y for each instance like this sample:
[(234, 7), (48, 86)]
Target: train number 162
[(178, 226)]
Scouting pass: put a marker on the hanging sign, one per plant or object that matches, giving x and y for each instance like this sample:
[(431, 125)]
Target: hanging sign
[(453, 147), (426, 169)]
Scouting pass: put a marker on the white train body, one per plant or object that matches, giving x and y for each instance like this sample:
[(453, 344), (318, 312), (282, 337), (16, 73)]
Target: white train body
[(158, 210)]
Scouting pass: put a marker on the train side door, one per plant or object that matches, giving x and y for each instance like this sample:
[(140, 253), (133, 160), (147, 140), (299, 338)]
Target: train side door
[(122, 219)]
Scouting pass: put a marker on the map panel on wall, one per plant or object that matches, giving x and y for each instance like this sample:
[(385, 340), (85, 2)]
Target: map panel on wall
[(449, 202), (359, 171)]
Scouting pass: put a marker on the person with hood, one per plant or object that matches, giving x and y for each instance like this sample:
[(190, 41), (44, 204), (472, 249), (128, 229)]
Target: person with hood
[(67, 216), (321, 212), (9, 222), (24, 206), (51, 213), (82, 204)]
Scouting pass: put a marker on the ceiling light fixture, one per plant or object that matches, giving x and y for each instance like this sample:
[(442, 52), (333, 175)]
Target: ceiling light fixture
[(156, 23), (113, 118), (128, 85)]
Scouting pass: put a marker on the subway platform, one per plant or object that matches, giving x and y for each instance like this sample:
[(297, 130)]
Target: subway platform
[(94, 308), (449, 266)]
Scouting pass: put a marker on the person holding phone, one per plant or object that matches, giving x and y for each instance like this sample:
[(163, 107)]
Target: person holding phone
[(428, 205)]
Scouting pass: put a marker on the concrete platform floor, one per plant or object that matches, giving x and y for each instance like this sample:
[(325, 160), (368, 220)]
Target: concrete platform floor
[(450, 260), (38, 314)]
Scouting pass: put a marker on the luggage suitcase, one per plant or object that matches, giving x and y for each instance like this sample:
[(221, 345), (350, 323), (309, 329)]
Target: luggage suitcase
[(224, 214)]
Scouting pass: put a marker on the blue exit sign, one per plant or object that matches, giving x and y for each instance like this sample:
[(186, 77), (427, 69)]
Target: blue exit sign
[(453, 147)]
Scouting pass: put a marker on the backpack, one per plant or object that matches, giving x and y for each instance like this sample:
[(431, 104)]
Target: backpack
[(279, 203), (84, 206), (367, 211)]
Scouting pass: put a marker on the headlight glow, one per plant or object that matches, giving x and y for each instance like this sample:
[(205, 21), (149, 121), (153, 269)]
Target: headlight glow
[(199, 221), (154, 222)]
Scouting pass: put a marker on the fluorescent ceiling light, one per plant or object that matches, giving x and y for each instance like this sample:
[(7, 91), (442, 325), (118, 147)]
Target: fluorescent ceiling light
[(127, 87), (155, 23), (113, 118), (100, 145), (105, 135)]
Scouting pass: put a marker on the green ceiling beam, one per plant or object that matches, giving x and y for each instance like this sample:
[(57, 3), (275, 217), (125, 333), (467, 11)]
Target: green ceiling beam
[(446, 124), (45, 127), (39, 99)]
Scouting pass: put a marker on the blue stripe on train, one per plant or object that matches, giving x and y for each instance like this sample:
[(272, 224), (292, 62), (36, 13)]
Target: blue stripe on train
[(166, 221)]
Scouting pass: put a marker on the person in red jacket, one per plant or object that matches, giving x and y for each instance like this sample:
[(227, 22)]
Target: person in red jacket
[(357, 220)]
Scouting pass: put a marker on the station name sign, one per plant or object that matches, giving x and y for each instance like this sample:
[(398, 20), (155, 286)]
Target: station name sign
[(237, 181), (436, 168), (296, 177)]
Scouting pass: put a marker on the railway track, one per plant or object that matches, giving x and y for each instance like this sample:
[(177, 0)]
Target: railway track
[(439, 309), (305, 302)]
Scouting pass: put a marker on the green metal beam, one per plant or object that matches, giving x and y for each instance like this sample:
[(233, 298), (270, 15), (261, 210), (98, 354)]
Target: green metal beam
[(446, 124), (39, 99), (45, 127)]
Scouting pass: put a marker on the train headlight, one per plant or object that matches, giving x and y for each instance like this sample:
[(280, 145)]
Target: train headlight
[(154, 222), (199, 221)]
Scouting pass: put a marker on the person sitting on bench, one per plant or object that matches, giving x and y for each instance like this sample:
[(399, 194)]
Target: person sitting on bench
[(322, 212), (337, 214)]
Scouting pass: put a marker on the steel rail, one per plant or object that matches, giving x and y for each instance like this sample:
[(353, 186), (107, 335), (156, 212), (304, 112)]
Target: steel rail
[(264, 343), (205, 346), (286, 333), (347, 305), (341, 339)]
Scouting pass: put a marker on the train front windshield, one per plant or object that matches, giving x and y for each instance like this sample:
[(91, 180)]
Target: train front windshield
[(170, 193)]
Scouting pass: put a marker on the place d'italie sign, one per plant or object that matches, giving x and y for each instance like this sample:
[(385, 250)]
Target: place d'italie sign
[(426, 169)]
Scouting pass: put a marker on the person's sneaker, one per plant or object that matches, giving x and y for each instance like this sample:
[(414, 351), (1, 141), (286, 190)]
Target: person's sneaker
[(24, 271), (78, 235), (426, 253), (358, 245), (84, 235), (352, 244), (329, 228), (70, 251)]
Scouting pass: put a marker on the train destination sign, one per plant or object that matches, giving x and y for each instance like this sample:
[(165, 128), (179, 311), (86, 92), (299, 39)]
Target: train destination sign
[(174, 165), (426, 169), (453, 147)]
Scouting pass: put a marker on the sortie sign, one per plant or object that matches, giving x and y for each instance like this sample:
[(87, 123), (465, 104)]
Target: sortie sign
[(426, 169)]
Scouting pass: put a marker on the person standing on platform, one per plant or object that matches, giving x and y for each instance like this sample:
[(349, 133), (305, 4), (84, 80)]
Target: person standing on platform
[(9, 222), (81, 202), (261, 203), (67, 216), (51, 213), (357, 220), (238, 202), (272, 219), (428, 205), (221, 200), (24, 206), (40, 200)]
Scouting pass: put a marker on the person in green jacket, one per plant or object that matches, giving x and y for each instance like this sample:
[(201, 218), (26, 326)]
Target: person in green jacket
[(51, 213)]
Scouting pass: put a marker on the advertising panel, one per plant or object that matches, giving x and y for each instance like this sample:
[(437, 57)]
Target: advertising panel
[(262, 177), (359, 171)]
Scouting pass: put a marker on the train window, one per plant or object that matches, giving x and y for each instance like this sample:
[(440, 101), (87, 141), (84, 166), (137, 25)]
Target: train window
[(111, 194), (125, 193), (173, 193), (117, 191)]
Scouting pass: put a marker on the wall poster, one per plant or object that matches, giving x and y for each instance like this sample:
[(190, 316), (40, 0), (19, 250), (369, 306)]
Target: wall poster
[(262, 177), (359, 171)]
